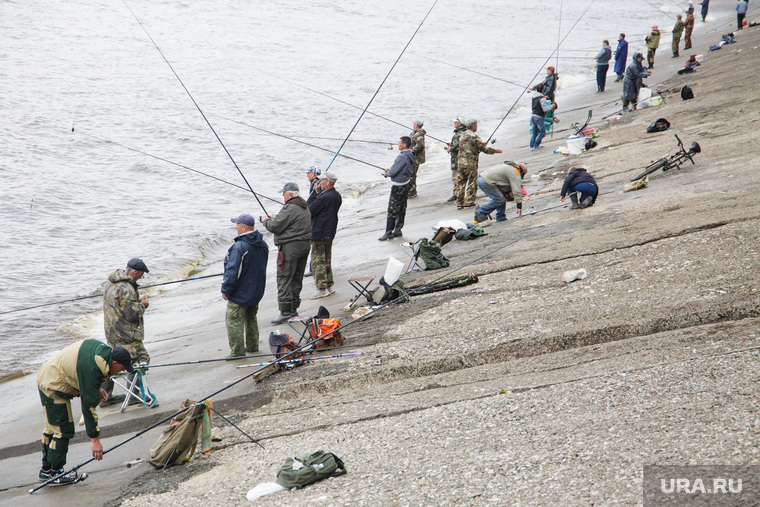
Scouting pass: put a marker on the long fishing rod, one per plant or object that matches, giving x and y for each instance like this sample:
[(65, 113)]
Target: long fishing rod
[(559, 34), (100, 294), (296, 140), (350, 140), (169, 162), (381, 85), (197, 107), (344, 102), (302, 360), (539, 70), (520, 85)]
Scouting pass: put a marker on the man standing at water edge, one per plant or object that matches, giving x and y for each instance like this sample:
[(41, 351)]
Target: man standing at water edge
[(292, 235), (418, 150), (653, 42), (470, 146), (677, 31), (123, 311), (539, 108), (324, 225), (621, 56), (400, 174), (688, 26), (741, 11), (602, 65), (77, 370), (243, 284), (453, 149)]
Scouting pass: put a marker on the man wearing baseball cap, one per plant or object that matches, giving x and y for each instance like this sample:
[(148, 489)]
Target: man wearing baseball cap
[(123, 310), (292, 235), (550, 83), (243, 284)]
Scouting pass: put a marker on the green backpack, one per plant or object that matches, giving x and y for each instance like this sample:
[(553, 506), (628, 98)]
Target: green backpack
[(300, 472), (430, 251)]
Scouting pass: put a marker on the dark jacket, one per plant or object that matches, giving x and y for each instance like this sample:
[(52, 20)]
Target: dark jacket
[(245, 269), (292, 223), (312, 190), (621, 56), (577, 175), (604, 56), (633, 76), (550, 85), (401, 170), (324, 215)]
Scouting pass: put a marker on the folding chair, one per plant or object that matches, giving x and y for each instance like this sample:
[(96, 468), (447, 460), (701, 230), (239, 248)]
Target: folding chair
[(304, 336), (137, 388), (361, 285), (413, 251)]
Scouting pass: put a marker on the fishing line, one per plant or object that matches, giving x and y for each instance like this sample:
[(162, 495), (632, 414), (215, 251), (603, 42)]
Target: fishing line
[(100, 295), (197, 107), (350, 140), (519, 85), (295, 140), (381, 85), (559, 33), (170, 162), (539, 70)]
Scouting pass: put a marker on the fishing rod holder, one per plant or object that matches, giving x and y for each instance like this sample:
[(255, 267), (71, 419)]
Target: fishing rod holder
[(136, 387)]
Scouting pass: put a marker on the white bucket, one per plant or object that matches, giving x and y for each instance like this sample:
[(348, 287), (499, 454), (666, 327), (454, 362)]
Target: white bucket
[(576, 144), (393, 270)]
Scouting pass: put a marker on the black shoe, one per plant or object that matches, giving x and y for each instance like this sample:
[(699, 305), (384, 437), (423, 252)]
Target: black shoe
[(385, 237), (308, 273), (247, 351), (284, 317), (651, 67), (451, 199), (119, 398), (135, 400), (397, 233), (69, 478)]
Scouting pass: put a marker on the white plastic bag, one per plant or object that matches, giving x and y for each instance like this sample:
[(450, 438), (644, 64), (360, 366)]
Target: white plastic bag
[(263, 489)]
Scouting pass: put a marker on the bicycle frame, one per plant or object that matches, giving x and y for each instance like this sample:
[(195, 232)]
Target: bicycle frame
[(675, 160)]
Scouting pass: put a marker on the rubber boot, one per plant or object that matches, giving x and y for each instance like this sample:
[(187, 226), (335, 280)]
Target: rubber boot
[(585, 203), (399, 226), (286, 313), (574, 198), (390, 222)]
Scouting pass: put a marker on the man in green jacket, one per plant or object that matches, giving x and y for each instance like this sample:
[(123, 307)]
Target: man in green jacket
[(77, 370), (653, 42), (677, 31), (418, 150)]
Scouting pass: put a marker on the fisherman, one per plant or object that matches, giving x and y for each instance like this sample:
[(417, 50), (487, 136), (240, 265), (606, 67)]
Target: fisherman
[(688, 26), (501, 184), (705, 6), (690, 66), (633, 81), (470, 146), (324, 225), (123, 310), (578, 180), (312, 173), (602, 65), (418, 150), (77, 370), (400, 174), (677, 31), (453, 149), (621, 56), (292, 235), (243, 284), (539, 109), (550, 83), (653, 42), (741, 11)]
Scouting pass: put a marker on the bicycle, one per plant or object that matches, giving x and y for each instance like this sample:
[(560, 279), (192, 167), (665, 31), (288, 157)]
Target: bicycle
[(675, 160)]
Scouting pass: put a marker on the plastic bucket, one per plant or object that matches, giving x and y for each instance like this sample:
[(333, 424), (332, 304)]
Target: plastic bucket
[(393, 270), (576, 144)]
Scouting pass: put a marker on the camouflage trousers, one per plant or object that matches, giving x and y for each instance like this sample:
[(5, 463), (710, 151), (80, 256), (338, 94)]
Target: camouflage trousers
[(650, 55), (241, 320), (413, 182), (135, 348), (454, 182), (321, 263), (397, 201), (676, 41), (687, 39), (467, 186), (59, 429)]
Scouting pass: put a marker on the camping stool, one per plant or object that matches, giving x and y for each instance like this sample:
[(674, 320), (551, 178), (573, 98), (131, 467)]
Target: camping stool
[(137, 387), (413, 251), (361, 284), (307, 322)]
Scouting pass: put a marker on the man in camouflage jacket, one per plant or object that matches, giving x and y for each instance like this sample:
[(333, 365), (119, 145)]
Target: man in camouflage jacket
[(470, 146), (123, 310), (418, 150), (453, 149)]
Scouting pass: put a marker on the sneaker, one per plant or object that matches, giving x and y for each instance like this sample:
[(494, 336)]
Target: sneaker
[(451, 199), (308, 273), (321, 293), (330, 289), (478, 218), (69, 478), (112, 400)]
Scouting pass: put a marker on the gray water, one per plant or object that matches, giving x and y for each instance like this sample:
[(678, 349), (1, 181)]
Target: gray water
[(74, 207)]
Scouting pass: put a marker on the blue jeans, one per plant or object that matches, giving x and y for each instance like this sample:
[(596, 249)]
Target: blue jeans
[(585, 189), (498, 201), (539, 131)]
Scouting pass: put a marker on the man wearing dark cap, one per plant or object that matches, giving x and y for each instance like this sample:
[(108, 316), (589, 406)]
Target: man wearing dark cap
[(312, 174), (243, 284), (324, 225), (77, 370), (123, 310), (418, 150), (550, 83), (292, 236)]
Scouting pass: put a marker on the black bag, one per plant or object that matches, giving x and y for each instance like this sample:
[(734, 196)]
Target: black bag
[(590, 143), (686, 93), (658, 125)]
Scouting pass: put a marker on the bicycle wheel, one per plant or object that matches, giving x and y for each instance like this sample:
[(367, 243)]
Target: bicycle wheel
[(652, 168)]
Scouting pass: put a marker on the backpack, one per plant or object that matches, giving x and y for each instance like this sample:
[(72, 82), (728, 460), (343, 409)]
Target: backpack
[(385, 293), (686, 93), (590, 143), (300, 472), (658, 125), (430, 251), (325, 327), (177, 443), (282, 344)]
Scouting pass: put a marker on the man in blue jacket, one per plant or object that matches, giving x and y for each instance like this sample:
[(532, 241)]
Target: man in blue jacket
[(400, 174), (243, 284), (324, 225)]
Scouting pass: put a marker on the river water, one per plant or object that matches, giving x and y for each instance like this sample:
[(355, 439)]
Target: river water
[(76, 205)]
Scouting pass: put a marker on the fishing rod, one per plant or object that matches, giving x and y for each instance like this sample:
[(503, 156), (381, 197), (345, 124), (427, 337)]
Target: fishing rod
[(294, 139), (539, 71), (381, 85), (100, 294), (559, 33), (344, 102), (169, 162), (350, 140), (302, 360), (197, 107), (475, 71)]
